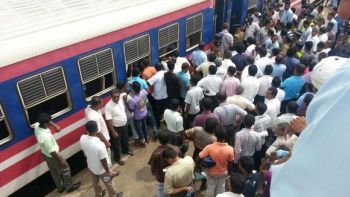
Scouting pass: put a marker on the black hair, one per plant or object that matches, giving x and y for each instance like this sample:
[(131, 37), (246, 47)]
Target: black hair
[(145, 62), (174, 104), (231, 70), (240, 48), (276, 82), (279, 59), (220, 96), (211, 124), (309, 45), (263, 52), (252, 70), (91, 127), (159, 66), (250, 60), (206, 103), (247, 163), (249, 121), (163, 137), (227, 54), (291, 52), (220, 135), (43, 118), (135, 71), (120, 85), (237, 182), (261, 108), (194, 79), (201, 46), (250, 40), (299, 69), (169, 153), (171, 65), (136, 86), (292, 107), (276, 51), (268, 70), (211, 57), (274, 91), (212, 69), (95, 101), (308, 98)]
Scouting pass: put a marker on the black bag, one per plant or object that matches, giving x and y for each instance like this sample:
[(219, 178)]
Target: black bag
[(207, 162)]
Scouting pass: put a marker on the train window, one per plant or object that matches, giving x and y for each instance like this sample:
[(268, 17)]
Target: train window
[(45, 92), (194, 26), (5, 132), (168, 38), (97, 73), (135, 50)]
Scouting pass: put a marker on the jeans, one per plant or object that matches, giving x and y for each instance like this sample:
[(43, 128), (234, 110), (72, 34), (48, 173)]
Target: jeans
[(132, 127), (141, 128), (160, 190), (216, 185), (108, 182), (150, 116), (121, 141)]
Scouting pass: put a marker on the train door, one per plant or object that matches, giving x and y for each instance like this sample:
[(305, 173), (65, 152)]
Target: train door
[(219, 16), (239, 12)]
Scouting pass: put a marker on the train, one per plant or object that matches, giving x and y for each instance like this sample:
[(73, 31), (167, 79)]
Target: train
[(56, 55)]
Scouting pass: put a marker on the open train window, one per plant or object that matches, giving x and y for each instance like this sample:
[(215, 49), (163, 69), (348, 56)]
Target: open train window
[(135, 50), (168, 39), (45, 92), (194, 26), (5, 131), (97, 73)]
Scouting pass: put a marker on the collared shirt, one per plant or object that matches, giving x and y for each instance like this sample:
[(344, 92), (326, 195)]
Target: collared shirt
[(185, 83), (265, 84), (262, 123), (204, 67), (229, 85), (116, 112), (287, 16), (240, 60), (211, 83), (200, 119), (199, 57), (246, 143), (46, 141), (160, 90), (245, 73), (262, 63), (335, 25), (227, 40), (138, 104), (273, 108), (241, 102), (200, 137), (142, 82), (251, 30), (290, 63), (292, 87), (96, 116), (280, 94), (287, 141), (94, 150), (158, 163), (251, 87), (193, 97), (284, 118), (250, 49), (173, 120), (221, 72), (278, 70), (227, 113), (323, 37), (315, 40), (227, 63), (179, 174)]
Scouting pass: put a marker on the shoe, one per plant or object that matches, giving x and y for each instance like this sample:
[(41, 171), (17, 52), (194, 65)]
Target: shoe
[(120, 194), (60, 190), (74, 187), (131, 153), (139, 144), (121, 162), (104, 192)]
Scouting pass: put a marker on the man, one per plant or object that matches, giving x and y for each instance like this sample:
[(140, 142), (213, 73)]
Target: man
[(222, 154), (292, 86), (147, 70), (173, 118), (250, 29), (240, 59), (292, 110), (272, 103), (265, 83), (263, 61), (237, 184), (331, 19), (314, 39), (250, 51), (136, 77), (331, 34), (227, 62), (278, 67), (230, 82), (204, 67), (276, 83), (290, 61), (211, 84), (117, 124), (185, 83), (247, 140), (59, 168), (200, 119), (227, 38), (192, 100), (240, 100), (246, 167), (251, 84), (262, 34), (158, 163), (228, 114), (159, 95), (172, 82), (287, 14), (307, 32), (179, 175), (98, 161), (199, 56)]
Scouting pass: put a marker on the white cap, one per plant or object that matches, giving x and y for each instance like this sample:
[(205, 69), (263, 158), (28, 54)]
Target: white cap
[(325, 69)]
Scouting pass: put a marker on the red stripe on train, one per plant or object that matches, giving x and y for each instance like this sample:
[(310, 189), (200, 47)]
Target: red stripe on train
[(40, 61), (35, 159)]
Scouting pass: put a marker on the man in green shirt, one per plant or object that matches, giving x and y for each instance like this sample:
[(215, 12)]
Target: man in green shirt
[(58, 166)]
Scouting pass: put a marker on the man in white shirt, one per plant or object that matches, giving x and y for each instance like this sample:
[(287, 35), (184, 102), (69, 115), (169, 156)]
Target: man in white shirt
[(323, 35), (251, 29), (273, 104), (263, 61), (117, 124), (331, 19), (292, 109), (173, 118), (276, 83), (287, 14), (227, 38), (250, 51), (192, 100), (159, 94), (240, 100), (211, 84), (204, 67), (97, 161), (251, 84), (265, 83), (227, 62), (314, 39)]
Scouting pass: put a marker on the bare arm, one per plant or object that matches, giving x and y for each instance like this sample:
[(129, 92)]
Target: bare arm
[(103, 139), (181, 189), (111, 128)]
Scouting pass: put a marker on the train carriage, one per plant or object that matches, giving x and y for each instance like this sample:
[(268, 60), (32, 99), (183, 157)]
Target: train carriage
[(60, 55)]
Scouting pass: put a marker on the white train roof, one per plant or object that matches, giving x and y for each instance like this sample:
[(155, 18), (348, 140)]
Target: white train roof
[(32, 27)]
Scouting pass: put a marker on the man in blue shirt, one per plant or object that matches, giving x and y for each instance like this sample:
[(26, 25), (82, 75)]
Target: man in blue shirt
[(290, 61), (240, 59), (199, 56), (136, 77), (287, 15), (292, 86), (185, 82)]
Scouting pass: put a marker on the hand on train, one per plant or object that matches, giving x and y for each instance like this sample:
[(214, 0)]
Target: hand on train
[(297, 125)]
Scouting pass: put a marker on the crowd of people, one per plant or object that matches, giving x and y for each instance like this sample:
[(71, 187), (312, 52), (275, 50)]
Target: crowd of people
[(242, 102)]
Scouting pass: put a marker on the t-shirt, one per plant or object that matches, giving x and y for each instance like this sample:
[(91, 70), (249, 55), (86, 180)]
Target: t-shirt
[(251, 87), (138, 104), (116, 112), (185, 83), (251, 185), (200, 137), (211, 84), (173, 85), (160, 89), (148, 72), (193, 97), (96, 116), (95, 151), (173, 120), (221, 153), (292, 87), (265, 84), (46, 141), (142, 82)]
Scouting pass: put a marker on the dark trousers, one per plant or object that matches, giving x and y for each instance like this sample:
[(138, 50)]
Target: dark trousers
[(188, 120), (122, 141), (159, 107), (284, 105), (258, 155)]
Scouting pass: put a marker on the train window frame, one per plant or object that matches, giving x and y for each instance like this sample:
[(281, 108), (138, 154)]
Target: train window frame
[(99, 76), (168, 27), (65, 93), (129, 63), (7, 126), (195, 32)]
